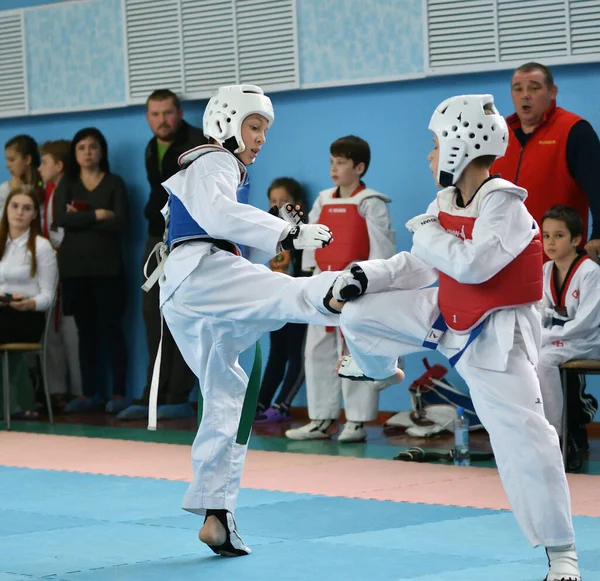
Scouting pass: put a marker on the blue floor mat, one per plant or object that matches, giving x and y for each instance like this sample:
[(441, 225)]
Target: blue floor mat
[(67, 526)]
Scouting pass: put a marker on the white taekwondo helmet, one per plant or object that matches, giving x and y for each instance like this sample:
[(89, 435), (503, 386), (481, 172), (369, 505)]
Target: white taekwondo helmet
[(226, 111), (467, 127)]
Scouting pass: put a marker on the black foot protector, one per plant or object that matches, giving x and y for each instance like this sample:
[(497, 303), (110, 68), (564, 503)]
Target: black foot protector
[(233, 545)]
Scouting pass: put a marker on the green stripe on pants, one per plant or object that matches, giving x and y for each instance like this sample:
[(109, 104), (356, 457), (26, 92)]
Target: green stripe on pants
[(250, 400)]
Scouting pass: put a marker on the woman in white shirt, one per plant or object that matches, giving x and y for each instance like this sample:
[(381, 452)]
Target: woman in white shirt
[(28, 274), (28, 270)]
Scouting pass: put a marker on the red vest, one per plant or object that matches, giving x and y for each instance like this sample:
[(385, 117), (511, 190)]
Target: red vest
[(464, 306), (349, 228), (48, 215), (541, 166)]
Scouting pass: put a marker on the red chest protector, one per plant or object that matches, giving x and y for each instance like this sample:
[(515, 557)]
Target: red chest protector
[(464, 306), (349, 228)]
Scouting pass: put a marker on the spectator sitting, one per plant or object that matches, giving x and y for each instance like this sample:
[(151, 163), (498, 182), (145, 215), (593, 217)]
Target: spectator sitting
[(571, 312), (28, 274)]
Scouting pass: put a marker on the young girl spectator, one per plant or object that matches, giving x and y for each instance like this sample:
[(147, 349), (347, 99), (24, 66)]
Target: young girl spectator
[(22, 160), (286, 344), (91, 205), (28, 274)]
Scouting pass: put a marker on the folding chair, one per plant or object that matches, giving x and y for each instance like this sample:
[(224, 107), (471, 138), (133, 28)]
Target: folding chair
[(582, 367), (38, 349)]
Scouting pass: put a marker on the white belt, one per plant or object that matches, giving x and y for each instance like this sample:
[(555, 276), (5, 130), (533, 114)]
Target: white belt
[(160, 253)]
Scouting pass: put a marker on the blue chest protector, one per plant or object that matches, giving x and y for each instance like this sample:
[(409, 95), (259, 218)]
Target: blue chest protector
[(182, 227)]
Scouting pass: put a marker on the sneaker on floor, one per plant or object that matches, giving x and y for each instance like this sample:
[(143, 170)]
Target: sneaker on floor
[(316, 430), (115, 405), (175, 411), (353, 432), (134, 412), (84, 405), (271, 416)]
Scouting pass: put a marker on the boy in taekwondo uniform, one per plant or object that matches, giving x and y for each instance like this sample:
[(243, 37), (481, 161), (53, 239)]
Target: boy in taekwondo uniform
[(361, 220), (217, 303), (479, 241), (570, 305)]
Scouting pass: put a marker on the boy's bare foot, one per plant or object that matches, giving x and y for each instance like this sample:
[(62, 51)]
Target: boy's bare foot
[(398, 377), (220, 534), (213, 532)]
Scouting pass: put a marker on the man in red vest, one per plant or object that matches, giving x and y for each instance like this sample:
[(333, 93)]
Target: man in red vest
[(552, 153)]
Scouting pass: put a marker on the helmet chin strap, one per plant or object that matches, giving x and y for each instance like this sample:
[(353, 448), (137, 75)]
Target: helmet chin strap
[(231, 144), (446, 179)]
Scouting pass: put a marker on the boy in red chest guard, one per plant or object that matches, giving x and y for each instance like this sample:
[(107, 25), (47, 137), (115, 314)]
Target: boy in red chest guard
[(362, 224), (478, 239)]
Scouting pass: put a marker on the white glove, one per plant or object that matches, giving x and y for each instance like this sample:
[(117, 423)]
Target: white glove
[(421, 220), (350, 285), (306, 236)]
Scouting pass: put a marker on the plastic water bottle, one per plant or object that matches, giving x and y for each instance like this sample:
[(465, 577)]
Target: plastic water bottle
[(462, 454)]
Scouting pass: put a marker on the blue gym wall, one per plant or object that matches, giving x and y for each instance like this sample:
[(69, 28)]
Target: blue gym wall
[(392, 117)]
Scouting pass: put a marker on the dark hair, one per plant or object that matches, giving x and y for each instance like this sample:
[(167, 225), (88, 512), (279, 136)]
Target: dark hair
[(570, 216), (533, 66), (163, 95), (292, 187), (354, 148), (59, 150), (73, 166), (35, 229), (27, 146)]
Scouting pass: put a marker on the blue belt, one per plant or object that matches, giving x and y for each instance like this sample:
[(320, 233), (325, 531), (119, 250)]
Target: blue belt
[(437, 331), (558, 322)]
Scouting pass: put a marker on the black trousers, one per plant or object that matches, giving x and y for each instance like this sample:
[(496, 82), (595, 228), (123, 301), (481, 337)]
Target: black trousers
[(176, 378), (21, 326), (287, 351), (98, 305)]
